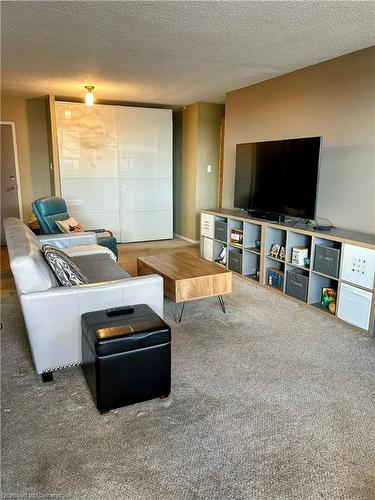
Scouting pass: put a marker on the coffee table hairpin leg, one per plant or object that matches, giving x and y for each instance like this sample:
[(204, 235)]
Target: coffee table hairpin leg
[(178, 317), (221, 300)]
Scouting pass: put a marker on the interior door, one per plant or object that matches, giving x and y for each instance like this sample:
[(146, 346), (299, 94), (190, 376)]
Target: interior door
[(10, 206)]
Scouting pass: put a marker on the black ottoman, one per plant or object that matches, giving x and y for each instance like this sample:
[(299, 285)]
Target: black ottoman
[(126, 357)]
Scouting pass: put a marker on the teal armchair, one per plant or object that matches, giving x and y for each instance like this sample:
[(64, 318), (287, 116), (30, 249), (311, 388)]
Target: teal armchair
[(49, 210)]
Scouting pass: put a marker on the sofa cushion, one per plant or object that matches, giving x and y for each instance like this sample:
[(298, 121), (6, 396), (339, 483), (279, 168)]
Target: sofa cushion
[(100, 267), (65, 269)]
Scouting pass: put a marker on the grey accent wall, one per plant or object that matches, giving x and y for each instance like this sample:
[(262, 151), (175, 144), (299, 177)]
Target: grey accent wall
[(334, 99), (29, 116)]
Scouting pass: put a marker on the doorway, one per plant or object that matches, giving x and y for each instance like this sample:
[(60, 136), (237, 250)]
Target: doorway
[(10, 192)]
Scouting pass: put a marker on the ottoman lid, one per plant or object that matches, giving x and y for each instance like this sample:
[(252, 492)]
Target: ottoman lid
[(127, 332)]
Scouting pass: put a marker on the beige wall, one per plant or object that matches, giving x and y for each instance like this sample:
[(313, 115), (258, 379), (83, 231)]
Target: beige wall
[(189, 170), (194, 187), (29, 116), (334, 99)]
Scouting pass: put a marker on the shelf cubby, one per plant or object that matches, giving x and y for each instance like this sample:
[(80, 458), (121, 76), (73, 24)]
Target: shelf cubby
[(252, 235), (221, 229), (316, 285), (274, 235), (251, 265), (297, 240), (218, 247), (234, 224), (234, 253), (334, 256)]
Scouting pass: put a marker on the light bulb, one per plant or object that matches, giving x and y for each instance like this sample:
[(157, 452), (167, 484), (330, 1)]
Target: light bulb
[(89, 97)]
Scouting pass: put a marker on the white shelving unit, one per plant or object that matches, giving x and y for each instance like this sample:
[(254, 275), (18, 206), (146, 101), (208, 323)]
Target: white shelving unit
[(355, 279)]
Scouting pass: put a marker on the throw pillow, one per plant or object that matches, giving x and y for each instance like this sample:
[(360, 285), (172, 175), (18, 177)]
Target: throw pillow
[(69, 225), (65, 270)]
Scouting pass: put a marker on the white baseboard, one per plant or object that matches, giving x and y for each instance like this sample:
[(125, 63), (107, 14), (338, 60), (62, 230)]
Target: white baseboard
[(194, 242)]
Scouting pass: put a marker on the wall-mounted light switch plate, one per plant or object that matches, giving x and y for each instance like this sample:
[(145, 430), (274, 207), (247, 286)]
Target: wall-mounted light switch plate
[(209, 168)]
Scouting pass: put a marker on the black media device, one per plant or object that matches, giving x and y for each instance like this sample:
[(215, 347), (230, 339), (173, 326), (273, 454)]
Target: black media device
[(278, 178), (118, 311)]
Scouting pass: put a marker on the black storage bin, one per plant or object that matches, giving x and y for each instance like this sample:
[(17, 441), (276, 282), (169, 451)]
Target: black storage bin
[(235, 261), (296, 285), (327, 260), (221, 230), (126, 358)]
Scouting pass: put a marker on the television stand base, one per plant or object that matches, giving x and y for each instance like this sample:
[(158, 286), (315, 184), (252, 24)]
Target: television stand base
[(267, 216)]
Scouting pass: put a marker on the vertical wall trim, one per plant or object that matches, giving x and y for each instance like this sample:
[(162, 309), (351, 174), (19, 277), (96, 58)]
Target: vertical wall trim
[(53, 147), (221, 165)]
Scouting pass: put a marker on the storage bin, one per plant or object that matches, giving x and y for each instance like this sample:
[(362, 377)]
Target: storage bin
[(275, 278), (235, 261), (221, 230), (297, 285), (327, 260), (126, 358)]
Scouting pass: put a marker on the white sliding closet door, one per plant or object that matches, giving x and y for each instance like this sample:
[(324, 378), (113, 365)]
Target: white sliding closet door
[(145, 173), (116, 168), (88, 153)]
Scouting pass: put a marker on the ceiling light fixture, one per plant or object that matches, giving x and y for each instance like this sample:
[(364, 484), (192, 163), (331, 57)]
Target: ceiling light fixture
[(89, 96)]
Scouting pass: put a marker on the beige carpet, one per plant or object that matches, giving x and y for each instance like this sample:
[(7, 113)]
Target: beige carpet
[(269, 401)]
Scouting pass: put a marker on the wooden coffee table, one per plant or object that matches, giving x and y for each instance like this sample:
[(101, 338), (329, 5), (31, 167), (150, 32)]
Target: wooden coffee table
[(187, 277)]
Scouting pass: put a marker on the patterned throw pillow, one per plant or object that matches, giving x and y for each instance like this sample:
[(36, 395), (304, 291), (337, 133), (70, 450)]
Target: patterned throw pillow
[(65, 270), (69, 225)]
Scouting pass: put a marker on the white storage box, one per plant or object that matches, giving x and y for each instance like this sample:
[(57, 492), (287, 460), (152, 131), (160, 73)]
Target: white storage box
[(208, 249), (298, 255), (355, 305)]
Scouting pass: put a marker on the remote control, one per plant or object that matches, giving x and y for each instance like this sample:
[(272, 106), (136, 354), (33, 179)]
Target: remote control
[(118, 311)]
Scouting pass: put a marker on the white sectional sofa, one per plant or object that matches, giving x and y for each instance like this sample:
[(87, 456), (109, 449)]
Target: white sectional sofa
[(52, 313)]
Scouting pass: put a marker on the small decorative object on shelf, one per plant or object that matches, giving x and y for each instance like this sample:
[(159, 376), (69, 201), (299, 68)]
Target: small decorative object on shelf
[(329, 299), (236, 236), (222, 256), (275, 249), (254, 276), (307, 261), (257, 244), (299, 254), (282, 253), (275, 277)]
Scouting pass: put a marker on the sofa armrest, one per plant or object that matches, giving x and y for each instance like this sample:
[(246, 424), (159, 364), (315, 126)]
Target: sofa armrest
[(53, 317), (65, 240)]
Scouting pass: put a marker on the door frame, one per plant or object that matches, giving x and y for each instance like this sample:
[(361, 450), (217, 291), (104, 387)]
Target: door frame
[(19, 195)]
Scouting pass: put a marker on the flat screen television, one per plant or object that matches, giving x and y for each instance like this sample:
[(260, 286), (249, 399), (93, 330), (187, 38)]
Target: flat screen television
[(278, 177)]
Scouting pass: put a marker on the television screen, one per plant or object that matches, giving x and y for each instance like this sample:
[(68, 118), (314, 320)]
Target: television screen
[(278, 177)]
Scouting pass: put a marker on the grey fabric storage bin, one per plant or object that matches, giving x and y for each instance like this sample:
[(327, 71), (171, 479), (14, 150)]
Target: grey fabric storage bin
[(221, 230), (296, 285), (235, 261), (327, 260)]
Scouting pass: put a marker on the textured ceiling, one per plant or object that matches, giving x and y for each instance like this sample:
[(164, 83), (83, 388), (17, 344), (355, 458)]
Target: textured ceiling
[(171, 52)]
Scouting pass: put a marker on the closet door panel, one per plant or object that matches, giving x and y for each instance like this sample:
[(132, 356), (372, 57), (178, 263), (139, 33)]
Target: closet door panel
[(78, 122), (83, 159), (145, 225), (86, 195), (147, 125), (138, 194), (145, 160)]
